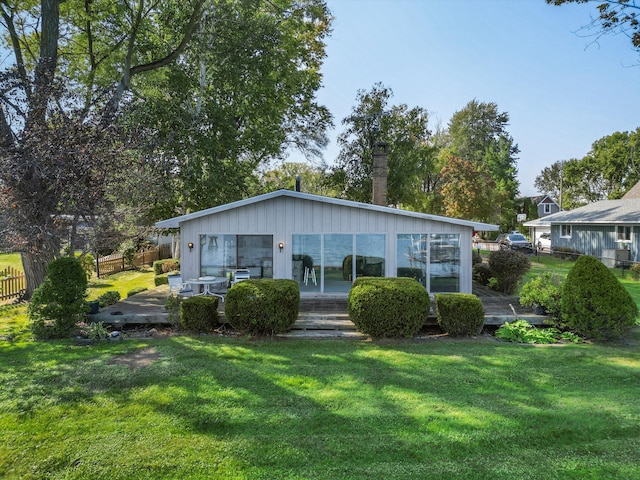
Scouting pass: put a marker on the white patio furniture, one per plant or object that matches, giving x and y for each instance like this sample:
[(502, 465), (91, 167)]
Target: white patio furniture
[(240, 275), (207, 282), (178, 287)]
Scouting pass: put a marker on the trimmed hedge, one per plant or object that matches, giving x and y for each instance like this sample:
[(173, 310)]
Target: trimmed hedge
[(109, 297), (388, 307), (199, 314), (508, 267), (594, 303), (165, 266), (59, 302), (263, 306), (135, 291), (459, 314)]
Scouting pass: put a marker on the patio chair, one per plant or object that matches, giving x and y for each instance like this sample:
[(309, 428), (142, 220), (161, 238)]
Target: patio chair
[(176, 286), (240, 275)]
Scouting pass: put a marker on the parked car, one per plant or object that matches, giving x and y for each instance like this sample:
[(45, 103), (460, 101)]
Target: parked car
[(515, 241), (544, 242)]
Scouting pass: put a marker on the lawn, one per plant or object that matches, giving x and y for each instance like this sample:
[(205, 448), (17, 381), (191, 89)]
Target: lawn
[(241, 408), (250, 408)]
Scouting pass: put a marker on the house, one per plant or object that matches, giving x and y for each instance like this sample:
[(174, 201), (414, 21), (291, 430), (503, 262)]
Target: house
[(546, 206), (608, 229), (325, 243)]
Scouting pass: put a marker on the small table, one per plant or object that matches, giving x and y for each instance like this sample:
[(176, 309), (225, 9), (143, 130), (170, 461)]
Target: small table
[(207, 282)]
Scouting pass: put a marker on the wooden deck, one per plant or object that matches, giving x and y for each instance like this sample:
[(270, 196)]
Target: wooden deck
[(320, 315)]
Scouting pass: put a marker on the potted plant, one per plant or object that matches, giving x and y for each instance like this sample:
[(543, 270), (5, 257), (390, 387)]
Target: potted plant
[(542, 294)]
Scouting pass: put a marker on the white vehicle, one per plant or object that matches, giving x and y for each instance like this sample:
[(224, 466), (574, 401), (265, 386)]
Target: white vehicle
[(544, 242)]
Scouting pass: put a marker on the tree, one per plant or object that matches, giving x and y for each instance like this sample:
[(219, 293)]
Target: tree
[(238, 99), (312, 179), (467, 190), (613, 17), (80, 68), (411, 153), (478, 133), (608, 171)]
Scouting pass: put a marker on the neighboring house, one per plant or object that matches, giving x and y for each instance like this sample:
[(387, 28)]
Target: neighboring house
[(546, 205), (314, 240), (608, 229)]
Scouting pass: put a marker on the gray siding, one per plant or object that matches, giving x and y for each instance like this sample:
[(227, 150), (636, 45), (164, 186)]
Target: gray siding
[(283, 217), (594, 239)]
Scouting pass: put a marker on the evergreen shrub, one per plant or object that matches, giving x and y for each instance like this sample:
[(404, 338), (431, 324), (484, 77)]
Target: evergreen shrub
[(594, 303), (508, 267), (481, 273), (165, 266), (459, 314), (263, 306), (59, 302), (130, 293), (388, 307), (199, 314), (110, 297)]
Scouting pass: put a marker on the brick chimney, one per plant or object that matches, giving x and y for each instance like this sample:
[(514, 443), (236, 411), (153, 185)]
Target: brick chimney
[(380, 161)]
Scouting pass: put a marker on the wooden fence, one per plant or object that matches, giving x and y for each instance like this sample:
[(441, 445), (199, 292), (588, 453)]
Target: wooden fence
[(116, 262), (12, 283)]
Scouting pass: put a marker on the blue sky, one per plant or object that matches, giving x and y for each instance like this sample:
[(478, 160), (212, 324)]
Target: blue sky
[(530, 58)]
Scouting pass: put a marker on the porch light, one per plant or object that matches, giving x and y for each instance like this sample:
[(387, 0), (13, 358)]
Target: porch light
[(281, 245), (190, 245)]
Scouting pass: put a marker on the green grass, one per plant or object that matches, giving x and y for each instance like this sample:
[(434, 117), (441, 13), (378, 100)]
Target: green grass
[(247, 408), (239, 408), (123, 282), (10, 260)]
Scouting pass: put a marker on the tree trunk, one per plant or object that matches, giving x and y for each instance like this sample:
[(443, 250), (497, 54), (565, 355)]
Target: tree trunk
[(35, 267)]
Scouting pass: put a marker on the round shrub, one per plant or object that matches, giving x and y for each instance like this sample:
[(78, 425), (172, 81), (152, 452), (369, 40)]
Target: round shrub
[(110, 297), (459, 314), (388, 307), (508, 267), (135, 291), (263, 306), (594, 303), (59, 302), (481, 273), (199, 314), (543, 291)]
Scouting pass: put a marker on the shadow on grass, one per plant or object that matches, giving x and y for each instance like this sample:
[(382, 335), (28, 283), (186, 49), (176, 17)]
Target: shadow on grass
[(336, 409)]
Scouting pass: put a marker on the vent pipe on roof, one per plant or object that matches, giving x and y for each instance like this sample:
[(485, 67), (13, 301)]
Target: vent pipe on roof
[(297, 183), (380, 161)]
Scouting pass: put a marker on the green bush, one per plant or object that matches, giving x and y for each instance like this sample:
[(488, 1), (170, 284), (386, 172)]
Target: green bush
[(161, 280), (594, 303), (199, 314), (263, 306), (88, 263), (476, 258), (131, 293), (388, 307), (543, 291), (481, 273), (59, 302), (108, 298), (508, 267), (165, 266), (459, 314)]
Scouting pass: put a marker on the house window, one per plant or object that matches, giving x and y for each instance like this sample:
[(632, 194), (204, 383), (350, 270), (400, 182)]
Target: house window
[(565, 231), (624, 233), (547, 208), (221, 255)]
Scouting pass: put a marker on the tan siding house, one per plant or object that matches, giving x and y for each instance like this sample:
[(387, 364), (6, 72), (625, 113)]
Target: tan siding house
[(324, 243)]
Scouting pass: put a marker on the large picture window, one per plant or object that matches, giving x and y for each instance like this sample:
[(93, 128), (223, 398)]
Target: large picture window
[(221, 255), (411, 256), (444, 263)]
